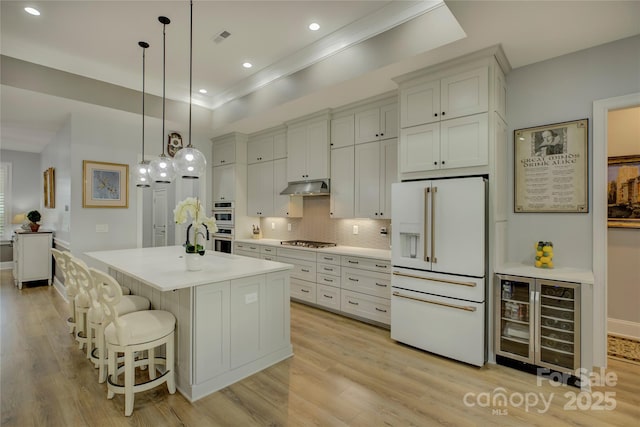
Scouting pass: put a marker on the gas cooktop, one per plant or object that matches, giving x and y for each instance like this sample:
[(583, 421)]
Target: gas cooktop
[(307, 243)]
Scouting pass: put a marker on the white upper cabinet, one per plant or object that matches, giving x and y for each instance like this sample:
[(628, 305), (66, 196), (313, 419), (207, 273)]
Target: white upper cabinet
[(342, 132), (224, 183), (224, 152), (260, 189), (267, 145), (376, 123), (375, 171), (308, 151), (455, 96), (284, 206), (342, 183), (260, 149)]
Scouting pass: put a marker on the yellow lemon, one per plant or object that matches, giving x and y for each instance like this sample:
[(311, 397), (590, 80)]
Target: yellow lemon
[(538, 264), (538, 253), (545, 259), (550, 264)]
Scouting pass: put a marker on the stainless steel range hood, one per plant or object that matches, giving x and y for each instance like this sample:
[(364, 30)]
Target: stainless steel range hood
[(307, 188)]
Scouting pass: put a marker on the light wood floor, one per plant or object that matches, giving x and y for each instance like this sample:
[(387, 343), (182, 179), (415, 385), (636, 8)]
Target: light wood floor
[(343, 373)]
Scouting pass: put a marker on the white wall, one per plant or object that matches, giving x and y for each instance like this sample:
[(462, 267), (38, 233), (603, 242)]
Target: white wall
[(26, 181), (557, 90), (58, 156)]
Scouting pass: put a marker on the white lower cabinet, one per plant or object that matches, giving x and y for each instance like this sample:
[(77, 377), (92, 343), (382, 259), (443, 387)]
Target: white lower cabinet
[(239, 321), (31, 257), (246, 249), (366, 288)]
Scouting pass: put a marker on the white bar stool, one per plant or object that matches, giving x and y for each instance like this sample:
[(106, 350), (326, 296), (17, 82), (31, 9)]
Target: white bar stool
[(139, 331), (95, 317), (81, 301), (62, 263)]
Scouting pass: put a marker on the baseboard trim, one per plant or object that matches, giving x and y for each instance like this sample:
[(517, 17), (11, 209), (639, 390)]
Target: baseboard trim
[(624, 328)]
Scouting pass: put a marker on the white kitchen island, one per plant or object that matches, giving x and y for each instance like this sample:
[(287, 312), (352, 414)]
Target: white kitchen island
[(233, 316)]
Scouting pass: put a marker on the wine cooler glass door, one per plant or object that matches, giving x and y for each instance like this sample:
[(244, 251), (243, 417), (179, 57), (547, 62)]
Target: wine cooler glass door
[(559, 325), (516, 318)]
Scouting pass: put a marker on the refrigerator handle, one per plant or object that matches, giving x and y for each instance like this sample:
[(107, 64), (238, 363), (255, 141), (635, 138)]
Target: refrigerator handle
[(427, 193), (433, 225)]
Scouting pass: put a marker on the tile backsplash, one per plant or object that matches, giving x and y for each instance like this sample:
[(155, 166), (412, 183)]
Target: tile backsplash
[(316, 224)]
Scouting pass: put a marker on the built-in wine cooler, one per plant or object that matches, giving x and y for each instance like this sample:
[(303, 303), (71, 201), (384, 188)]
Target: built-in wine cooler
[(538, 322)]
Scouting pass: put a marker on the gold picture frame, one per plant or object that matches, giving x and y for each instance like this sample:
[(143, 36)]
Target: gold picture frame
[(623, 192), (105, 185), (50, 188), (551, 167)]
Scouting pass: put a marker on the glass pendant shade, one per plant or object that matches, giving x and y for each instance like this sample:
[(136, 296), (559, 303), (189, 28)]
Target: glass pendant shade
[(162, 170), (190, 163), (142, 177)]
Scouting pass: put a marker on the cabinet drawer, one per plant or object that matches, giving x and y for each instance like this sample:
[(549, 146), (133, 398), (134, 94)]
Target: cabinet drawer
[(328, 258), (366, 263), (247, 247), (247, 253), (297, 254), (327, 279), (371, 283), (328, 296), (269, 250), (367, 306), (331, 269), (304, 270), (302, 290), (268, 257)]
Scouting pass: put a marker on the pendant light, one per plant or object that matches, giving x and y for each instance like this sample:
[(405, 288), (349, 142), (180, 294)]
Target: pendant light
[(190, 162), (142, 178), (162, 169)]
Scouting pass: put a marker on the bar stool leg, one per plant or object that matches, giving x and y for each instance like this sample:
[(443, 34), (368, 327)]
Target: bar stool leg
[(129, 382)]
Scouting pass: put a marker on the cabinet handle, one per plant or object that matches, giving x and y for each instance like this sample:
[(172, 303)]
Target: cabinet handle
[(443, 113), (353, 280), (435, 163), (328, 258), (443, 162), (353, 262), (444, 304), (435, 114), (451, 282), (379, 309), (252, 247), (381, 213), (376, 214), (304, 270), (381, 266), (328, 280), (328, 269), (377, 134), (354, 303), (381, 284), (327, 296), (306, 291), (382, 134), (222, 161)]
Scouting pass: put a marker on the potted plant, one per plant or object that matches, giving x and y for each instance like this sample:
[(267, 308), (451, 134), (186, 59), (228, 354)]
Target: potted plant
[(34, 217)]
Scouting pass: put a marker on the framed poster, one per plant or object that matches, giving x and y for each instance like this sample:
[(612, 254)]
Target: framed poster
[(49, 188), (623, 191), (105, 185), (551, 168)]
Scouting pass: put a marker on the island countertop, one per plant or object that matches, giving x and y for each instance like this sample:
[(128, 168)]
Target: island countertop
[(164, 268)]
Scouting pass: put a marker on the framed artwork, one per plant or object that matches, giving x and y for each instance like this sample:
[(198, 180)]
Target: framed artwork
[(551, 168), (50, 188), (105, 185), (623, 191), (174, 143)]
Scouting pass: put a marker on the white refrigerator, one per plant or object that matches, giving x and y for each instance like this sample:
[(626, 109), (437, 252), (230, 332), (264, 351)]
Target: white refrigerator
[(439, 246)]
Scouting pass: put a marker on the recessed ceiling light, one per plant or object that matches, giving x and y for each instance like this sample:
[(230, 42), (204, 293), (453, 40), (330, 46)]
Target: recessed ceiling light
[(32, 11), (247, 65), (314, 26), (202, 91)]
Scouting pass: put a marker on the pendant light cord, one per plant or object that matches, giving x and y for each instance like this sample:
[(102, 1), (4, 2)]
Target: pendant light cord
[(144, 49), (190, 67), (164, 61)]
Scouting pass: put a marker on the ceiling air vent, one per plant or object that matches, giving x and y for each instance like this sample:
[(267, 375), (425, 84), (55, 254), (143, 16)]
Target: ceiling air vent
[(221, 36)]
